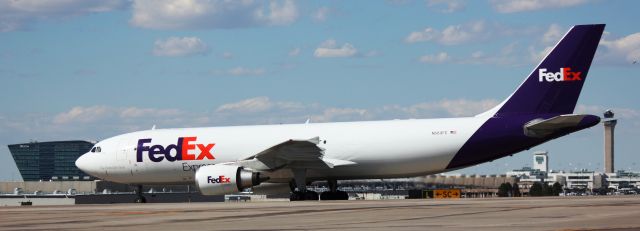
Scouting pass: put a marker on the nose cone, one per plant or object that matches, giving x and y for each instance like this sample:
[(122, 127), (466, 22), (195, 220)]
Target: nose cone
[(83, 163)]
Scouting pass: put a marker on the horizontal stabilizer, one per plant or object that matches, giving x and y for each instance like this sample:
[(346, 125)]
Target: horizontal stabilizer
[(540, 128)]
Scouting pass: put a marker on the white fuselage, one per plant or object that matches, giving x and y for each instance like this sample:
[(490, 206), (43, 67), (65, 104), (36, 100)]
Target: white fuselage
[(379, 149)]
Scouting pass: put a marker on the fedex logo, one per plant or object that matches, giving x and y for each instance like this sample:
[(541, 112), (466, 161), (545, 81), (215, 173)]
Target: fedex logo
[(218, 180), (185, 149), (565, 74)]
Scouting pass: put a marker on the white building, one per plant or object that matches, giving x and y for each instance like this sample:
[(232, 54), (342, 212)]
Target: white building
[(527, 176), (580, 179), (622, 179)]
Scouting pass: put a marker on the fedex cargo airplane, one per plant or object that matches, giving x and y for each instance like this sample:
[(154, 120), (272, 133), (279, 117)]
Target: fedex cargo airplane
[(225, 160)]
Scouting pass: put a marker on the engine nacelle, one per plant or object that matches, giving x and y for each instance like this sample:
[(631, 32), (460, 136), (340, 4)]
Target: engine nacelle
[(226, 179)]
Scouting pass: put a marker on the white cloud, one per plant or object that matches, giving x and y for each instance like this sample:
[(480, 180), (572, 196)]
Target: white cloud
[(428, 34), (251, 105), (239, 71), (508, 55), (294, 52), (450, 6), (371, 53), (477, 55), (175, 46), (16, 15), (98, 113), (437, 58), (135, 112), (264, 109), (341, 114), (280, 14), (329, 49), (548, 39), (509, 48), (260, 105), (624, 50), (321, 14), (82, 114), (191, 14), (227, 55), (514, 6), (446, 108), (397, 2), (553, 34), (451, 35), (537, 55)]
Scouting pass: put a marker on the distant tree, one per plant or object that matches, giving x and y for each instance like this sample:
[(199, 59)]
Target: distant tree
[(504, 190), (556, 189), (515, 190), (536, 190), (547, 190)]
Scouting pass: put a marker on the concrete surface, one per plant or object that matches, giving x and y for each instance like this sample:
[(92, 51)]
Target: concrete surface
[(36, 201), (558, 213)]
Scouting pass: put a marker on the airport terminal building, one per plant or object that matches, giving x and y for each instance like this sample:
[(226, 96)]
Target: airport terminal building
[(55, 160)]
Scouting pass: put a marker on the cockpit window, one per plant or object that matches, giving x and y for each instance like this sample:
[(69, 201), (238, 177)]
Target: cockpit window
[(98, 149), (93, 149)]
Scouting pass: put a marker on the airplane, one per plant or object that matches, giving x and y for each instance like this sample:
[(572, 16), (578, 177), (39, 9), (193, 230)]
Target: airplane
[(226, 160)]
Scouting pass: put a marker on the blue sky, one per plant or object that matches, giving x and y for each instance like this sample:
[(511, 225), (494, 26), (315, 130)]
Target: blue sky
[(94, 69)]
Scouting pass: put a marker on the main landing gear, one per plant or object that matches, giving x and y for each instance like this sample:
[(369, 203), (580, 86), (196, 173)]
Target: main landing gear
[(299, 189), (139, 197), (334, 193)]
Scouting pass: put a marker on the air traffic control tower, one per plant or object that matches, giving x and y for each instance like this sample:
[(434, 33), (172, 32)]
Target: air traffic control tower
[(609, 126)]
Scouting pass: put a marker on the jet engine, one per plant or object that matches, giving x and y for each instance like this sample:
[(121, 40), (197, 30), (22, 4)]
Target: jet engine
[(226, 179)]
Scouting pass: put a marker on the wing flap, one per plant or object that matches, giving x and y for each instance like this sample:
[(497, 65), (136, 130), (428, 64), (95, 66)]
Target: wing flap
[(292, 154)]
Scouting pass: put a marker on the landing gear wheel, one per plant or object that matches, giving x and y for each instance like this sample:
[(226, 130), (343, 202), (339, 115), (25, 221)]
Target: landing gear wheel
[(304, 196), (311, 196), (296, 196), (337, 195), (325, 196), (141, 200), (342, 195)]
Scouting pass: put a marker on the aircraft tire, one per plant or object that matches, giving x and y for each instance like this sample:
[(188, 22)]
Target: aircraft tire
[(141, 200), (330, 196)]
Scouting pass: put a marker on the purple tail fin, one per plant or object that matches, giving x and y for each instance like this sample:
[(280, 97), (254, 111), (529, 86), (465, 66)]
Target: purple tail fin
[(554, 86)]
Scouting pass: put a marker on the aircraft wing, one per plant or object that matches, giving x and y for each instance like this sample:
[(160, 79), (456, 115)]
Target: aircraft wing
[(542, 128), (292, 154)]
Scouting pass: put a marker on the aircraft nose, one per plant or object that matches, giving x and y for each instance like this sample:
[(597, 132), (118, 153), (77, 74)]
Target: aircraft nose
[(82, 163)]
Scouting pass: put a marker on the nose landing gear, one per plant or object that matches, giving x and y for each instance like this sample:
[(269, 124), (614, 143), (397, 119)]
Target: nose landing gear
[(139, 197)]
